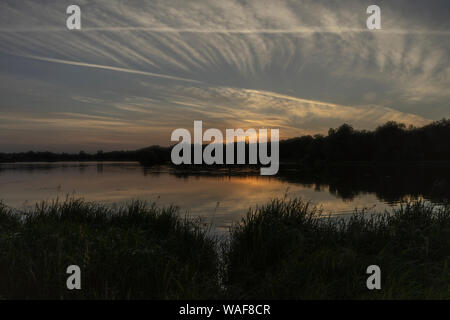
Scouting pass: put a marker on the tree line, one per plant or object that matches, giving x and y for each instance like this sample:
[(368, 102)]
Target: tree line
[(391, 142)]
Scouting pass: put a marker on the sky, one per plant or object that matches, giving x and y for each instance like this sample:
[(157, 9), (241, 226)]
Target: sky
[(139, 69)]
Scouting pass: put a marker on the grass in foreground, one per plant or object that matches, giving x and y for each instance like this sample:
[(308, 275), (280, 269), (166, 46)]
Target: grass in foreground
[(279, 251), (282, 251), (134, 252)]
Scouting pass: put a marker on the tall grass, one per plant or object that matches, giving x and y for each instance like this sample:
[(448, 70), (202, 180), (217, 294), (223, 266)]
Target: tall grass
[(283, 251), (137, 251), (287, 249)]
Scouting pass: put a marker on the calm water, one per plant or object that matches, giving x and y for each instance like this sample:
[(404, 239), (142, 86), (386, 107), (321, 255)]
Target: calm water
[(222, 199)]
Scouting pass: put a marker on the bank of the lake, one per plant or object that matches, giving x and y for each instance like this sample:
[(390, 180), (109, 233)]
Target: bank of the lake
[(286, 249), (222, 197)]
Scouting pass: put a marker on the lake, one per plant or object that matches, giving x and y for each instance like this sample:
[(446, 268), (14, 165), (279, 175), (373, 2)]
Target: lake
[(220, 197)]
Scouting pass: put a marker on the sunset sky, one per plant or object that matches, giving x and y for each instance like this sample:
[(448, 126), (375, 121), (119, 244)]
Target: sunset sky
[(140, 69)]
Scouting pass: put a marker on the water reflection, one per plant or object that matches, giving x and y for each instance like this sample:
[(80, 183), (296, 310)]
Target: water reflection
[(389, 183), (219, 196)]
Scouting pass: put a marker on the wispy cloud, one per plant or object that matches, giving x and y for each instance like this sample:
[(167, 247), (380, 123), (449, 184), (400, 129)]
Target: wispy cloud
[(301, 65), (301, 30), (98, 66)]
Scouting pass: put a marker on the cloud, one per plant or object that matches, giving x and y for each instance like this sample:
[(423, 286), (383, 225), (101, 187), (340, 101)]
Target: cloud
[(97, 66), (157, 65)]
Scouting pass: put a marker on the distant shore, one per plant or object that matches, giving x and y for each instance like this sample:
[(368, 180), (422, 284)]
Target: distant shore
[(391, 142)]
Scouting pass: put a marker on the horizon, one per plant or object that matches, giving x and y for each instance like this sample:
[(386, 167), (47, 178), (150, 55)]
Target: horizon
[(246, 139)]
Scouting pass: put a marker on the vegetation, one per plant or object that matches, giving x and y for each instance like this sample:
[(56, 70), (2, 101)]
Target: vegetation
[(286, 249), (150, 156), (134, 252), (390, 142), (283, 251)]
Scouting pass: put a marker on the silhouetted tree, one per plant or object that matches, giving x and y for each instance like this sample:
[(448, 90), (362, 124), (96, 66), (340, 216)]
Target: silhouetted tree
[(390, 142)]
